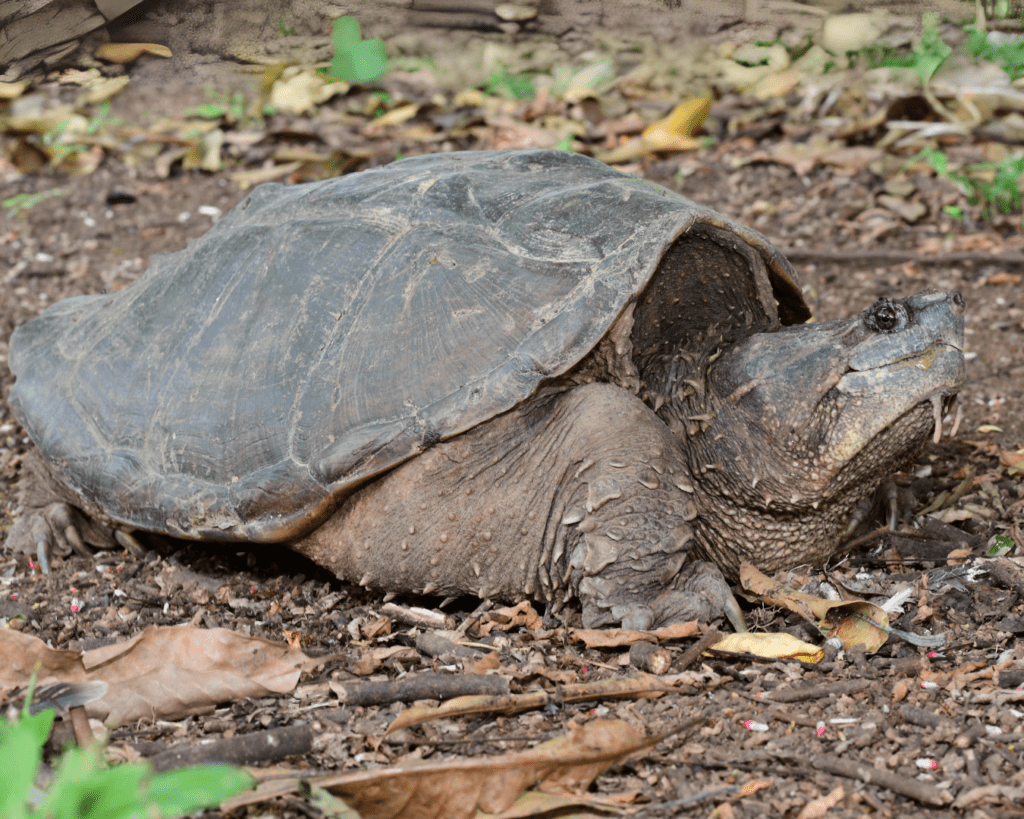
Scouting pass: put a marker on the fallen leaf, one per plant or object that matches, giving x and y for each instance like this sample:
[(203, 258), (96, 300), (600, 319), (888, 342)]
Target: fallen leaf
[(165, 672), (522, 614), (853, 622), (104, 90), (127, 52), (614, 637), (12, 90), (675, 132), (778, 646)]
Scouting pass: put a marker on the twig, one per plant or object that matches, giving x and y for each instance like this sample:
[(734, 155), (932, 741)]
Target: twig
[(426, 686), (693, 652), (804, 255), (814, 692), (864, 772), (260, 746)]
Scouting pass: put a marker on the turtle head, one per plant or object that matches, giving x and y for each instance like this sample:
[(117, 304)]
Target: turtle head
[(805, 422)]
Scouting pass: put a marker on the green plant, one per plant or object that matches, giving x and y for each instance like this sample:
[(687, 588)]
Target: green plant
[(355, 59), (83, 787), (283, 30), (23, 201), (928, 54), (989, 184), (1009, 55), (232, 108), (503, 83)]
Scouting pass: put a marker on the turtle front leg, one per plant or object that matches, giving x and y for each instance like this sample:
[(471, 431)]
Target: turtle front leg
[(631, 560)]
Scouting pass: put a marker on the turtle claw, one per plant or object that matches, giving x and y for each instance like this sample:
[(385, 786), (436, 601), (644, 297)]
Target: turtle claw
[(59, 528), (129, 543)]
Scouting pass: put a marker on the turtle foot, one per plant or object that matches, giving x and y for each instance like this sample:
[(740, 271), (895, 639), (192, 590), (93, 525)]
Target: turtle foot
[(51, 524), (701, 593)]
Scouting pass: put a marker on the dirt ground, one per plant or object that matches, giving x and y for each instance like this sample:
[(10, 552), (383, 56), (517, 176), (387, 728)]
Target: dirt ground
[(948, 721)]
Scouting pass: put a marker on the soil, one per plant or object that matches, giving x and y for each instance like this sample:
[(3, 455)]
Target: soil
[(898, 710)]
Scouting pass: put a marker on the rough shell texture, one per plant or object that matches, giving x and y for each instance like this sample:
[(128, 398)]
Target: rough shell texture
[(321, 334)]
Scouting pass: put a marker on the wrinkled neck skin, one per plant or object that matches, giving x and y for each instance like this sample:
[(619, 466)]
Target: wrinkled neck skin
[(786, 432)]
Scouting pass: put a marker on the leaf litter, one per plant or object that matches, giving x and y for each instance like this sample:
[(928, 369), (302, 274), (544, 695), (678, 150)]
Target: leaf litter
[(852, 156)]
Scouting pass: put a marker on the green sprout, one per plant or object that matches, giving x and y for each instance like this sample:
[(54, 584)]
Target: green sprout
[(502, 83), (993, 185), (23, 201), (83, 787), (929, 53), (356, 60)]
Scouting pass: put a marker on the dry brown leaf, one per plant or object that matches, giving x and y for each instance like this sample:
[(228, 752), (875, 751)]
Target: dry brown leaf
[(535, 803), (632, 686), (853, 622), (459, 788), (522, 614), (817, 808), (615, 637), (164, 672), (450, 790), (374, 658), (127, 52)]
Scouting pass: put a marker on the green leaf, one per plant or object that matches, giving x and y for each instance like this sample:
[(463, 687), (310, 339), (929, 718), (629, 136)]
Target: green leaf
[(21, 746), (356, 60), (209, 110), (1000, 545), (183, 791)]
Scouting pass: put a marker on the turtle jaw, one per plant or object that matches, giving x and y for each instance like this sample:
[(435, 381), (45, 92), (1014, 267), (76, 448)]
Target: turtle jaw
[(811, 419)]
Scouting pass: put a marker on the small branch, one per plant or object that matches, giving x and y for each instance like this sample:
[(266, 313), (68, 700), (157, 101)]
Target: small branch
[(426, 686), (248, 749), (864, 772), (807, 255)]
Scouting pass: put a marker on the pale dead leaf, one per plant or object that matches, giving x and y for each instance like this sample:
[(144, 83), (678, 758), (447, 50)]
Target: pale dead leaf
[(852, 622), (374, 658), (165, 672), (103, 90), (616, 637), (12, 90), (451, 790), (127, 52), (777, 646)]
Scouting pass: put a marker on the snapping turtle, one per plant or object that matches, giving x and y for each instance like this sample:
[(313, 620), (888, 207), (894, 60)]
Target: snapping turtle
[(502, 373)]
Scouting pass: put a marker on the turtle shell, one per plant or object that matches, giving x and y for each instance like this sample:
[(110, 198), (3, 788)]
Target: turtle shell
[(321, 334)]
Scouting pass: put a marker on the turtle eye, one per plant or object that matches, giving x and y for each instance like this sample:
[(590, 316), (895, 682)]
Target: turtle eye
[(886, 316)]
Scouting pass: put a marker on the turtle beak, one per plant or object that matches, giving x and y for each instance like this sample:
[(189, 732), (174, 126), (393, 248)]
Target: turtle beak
[(826, 391)]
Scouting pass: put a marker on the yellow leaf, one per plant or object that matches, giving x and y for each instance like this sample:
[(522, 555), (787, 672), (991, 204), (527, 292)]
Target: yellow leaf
[(675, 132), (12, 90), (128, 52), (852, 622), (779, 646), (397, 116)]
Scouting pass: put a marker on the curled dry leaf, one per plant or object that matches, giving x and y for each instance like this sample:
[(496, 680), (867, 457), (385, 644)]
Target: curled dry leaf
[(853, 622), (632, 687), (128, 52), (165, 672)]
